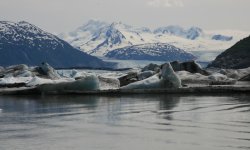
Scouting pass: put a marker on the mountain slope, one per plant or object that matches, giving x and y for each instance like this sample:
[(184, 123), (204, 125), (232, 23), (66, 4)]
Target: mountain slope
[(236, 57), (98, 38), (24, 43), (156, 52)]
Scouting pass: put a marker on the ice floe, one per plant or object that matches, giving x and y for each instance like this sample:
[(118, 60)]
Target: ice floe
[(45, 79)]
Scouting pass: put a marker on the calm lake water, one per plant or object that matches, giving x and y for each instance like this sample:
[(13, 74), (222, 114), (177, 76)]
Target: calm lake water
[(138, 122)]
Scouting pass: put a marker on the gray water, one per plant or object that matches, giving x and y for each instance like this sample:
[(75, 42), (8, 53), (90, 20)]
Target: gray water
[(138, 122)]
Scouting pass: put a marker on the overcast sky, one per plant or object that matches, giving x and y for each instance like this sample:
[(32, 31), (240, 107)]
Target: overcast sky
[(58, 16)]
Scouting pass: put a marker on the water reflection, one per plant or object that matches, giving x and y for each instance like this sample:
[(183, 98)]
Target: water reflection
[(35, 104), (125, 122)]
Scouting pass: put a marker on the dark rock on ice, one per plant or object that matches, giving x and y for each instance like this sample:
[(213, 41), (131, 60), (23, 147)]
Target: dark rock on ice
[(108, 83), (190, 66), (46, 70), (129, 78), (151, 67), (145, 75), (14, 85)]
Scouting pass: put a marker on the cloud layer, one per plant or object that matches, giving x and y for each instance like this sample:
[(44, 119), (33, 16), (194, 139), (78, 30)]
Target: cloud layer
[(165, 3), (65, 15)]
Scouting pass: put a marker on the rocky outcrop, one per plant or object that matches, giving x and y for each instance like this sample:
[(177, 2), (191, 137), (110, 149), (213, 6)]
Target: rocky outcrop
[(24, 43)]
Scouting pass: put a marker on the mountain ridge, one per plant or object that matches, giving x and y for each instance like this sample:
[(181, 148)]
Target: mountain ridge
[(25, 43), (236, 57)]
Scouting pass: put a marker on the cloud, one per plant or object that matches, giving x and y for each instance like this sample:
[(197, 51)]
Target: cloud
[(165, 3)]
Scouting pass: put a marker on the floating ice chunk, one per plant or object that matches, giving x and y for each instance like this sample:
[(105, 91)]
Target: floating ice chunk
[(17, 67), (71, 73), (214, 79), (14, 80), (168, 79), (217, 77), (46, 69), (16, 71), (39, 81), (220, 79), (85, 84), (169, 76), (25, 73), (196, 78), (235, 74), (149, 83)]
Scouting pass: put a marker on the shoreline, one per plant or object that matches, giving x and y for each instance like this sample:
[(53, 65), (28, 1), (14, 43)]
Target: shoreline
[(207, 89)]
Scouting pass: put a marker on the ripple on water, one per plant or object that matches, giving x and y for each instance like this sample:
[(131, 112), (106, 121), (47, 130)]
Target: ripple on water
[(125, 122)]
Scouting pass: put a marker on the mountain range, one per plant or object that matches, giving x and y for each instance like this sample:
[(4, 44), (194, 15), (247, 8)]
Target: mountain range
[(100, 38), (25, 43)]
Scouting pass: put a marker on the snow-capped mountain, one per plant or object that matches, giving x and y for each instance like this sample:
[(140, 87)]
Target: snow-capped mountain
[(155, 52), (24, 43), (105, 37), (98, 38)]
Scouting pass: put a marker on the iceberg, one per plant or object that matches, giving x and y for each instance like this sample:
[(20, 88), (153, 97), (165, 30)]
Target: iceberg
[(197, 78), (47, 70), (149, 83), (169, 77), (45, 79), (36, 81), (165, 79), (88, 83)]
